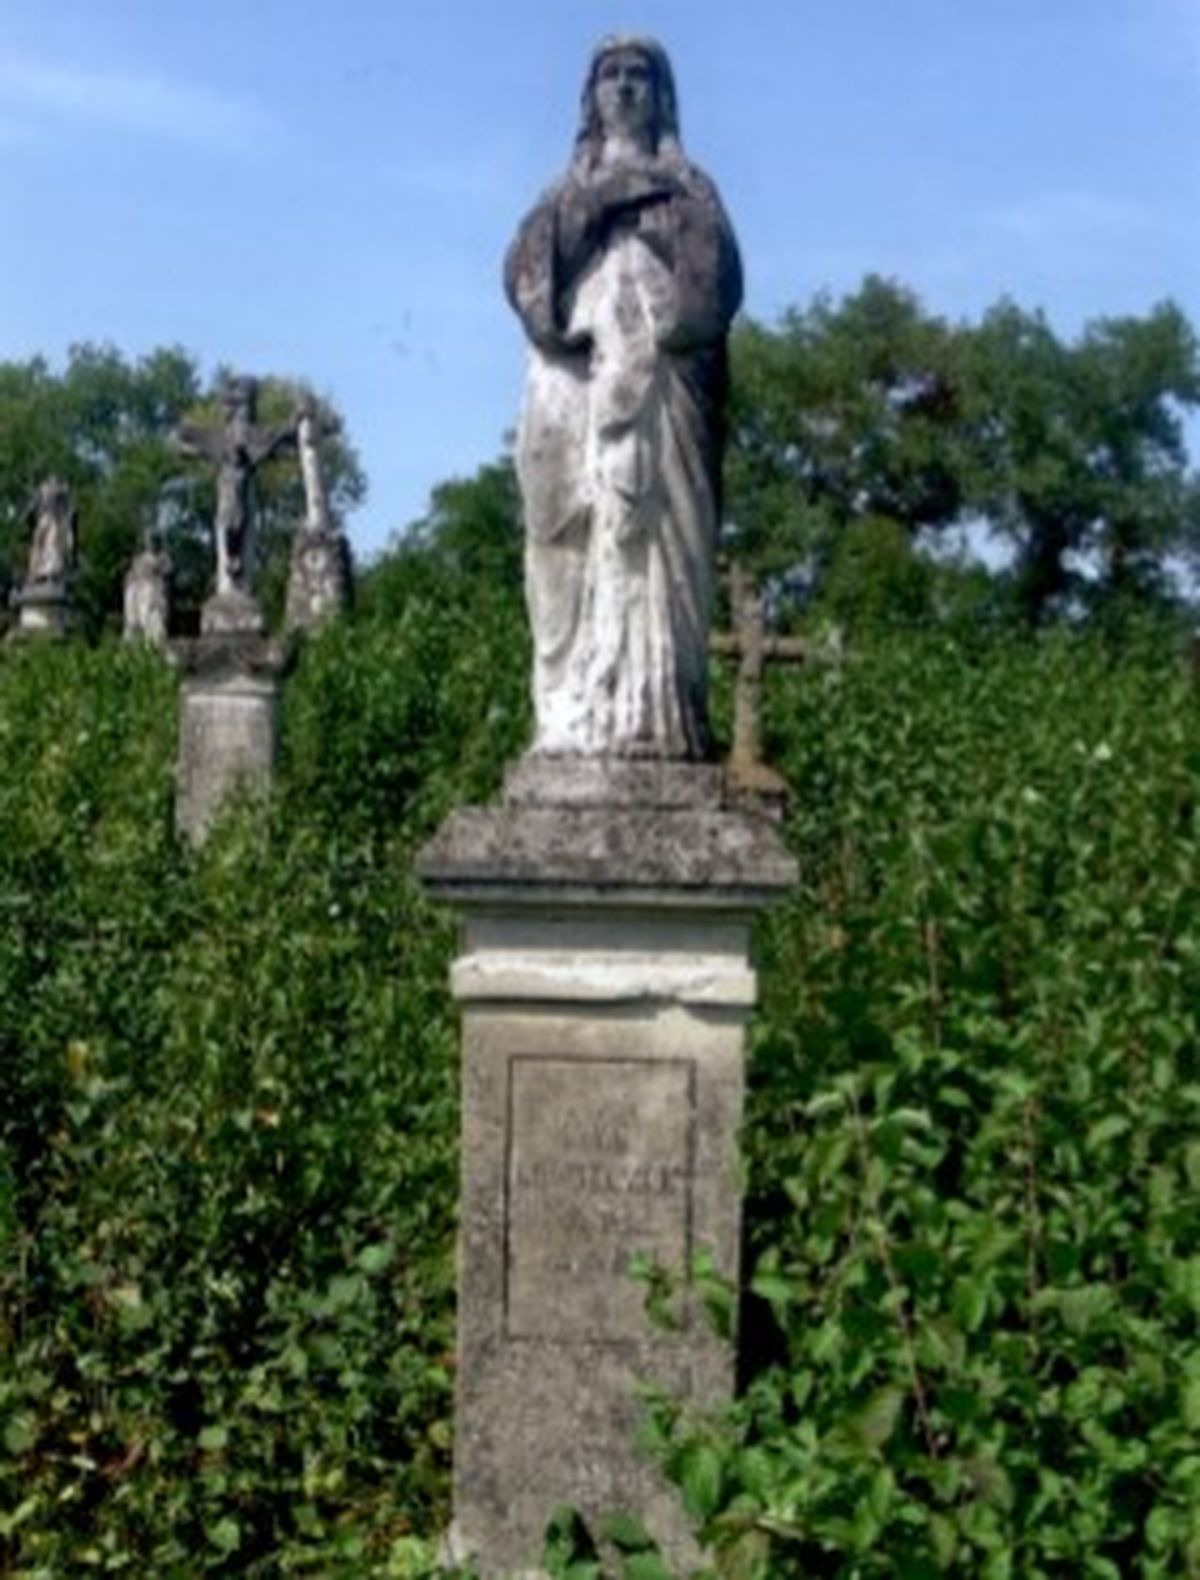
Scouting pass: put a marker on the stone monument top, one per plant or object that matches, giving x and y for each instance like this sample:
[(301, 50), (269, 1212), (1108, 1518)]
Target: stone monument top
[(319, 568), (53, 548), (625, 277), (238, 447), (42, 602)]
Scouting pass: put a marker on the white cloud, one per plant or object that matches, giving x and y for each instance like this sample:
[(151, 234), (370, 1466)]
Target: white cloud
[(134, 102)]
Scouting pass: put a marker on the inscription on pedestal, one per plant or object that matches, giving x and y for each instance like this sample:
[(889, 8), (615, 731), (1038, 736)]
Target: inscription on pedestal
[(599, 1166)]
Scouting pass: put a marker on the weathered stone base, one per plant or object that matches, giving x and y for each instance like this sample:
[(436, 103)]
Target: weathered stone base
[(43, 611), (605, 984), (228, 725)]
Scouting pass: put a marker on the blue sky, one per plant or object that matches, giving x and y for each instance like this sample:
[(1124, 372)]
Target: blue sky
[(326, 190)]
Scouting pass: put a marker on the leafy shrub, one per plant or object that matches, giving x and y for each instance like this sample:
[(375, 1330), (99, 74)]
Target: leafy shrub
[(228, 1132), (227, 1118), (974, 1174)]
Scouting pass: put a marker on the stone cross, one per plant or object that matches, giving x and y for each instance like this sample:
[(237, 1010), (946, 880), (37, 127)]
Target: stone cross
[(752, 645), (237, 448)]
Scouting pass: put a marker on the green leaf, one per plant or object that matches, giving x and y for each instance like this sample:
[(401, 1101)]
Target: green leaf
[(225, 1535), (824, 1105), (20, 1434), (774, 1288), (1082, 1308), (755, 1470), (943, 1536), (1104, 1131), (213, 1438), (645, 1566), (627, 1533), (376, 1258), (969, 1303), (700, 1478), (877, 1420)]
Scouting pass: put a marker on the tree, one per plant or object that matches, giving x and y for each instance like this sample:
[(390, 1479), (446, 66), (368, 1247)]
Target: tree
[(1083, 464), (872, 414), (846, 411)]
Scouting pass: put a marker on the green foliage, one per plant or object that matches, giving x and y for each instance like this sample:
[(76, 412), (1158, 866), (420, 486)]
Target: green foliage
[(974, 1180), (846, 410), (871, 414), (877, 578), (101, 426), (1081, 454), (228, 1112), (228, 1137)]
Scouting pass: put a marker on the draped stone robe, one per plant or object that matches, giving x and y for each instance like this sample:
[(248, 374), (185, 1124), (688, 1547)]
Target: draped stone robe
[(618, 456)]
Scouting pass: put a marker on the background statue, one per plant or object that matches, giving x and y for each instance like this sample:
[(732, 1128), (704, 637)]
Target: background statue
[(147, 597), (319, 565), (626, 276), (238, 448), (52, 551), (314, 423)]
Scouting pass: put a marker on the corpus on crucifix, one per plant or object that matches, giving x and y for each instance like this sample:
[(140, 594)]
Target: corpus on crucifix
[(237, 448)]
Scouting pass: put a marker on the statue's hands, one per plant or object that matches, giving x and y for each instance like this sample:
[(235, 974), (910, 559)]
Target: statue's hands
[(608, 195), (627, 187)]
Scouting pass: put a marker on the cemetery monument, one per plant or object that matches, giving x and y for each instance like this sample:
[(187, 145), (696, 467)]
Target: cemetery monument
[(43, 600), (319, 567), (606, 900), (229, 702), (147, 597)]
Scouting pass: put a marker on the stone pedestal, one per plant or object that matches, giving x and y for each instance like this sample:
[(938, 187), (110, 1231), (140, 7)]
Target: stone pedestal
[(318, 579), (43, 610), (605, 985), (228, 723)]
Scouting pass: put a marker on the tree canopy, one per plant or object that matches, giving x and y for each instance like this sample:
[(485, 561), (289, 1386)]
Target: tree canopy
[(1072, 453)]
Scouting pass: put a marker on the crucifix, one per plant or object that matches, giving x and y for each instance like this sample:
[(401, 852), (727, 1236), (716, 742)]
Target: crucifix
[(752, 645), (237, 448)]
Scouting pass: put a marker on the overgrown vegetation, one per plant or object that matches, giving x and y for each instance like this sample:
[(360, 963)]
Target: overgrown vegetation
[(974, 1135), (228, 1168)]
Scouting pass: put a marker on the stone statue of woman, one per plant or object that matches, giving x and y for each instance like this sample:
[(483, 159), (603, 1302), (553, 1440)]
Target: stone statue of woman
[(55, 534), (625, 276)]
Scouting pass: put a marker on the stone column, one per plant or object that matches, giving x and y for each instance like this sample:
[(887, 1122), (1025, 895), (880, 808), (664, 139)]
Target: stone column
[(228, 724), (605, 985)]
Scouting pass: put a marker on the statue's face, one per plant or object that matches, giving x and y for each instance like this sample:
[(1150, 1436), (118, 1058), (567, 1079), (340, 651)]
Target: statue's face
[(625, 95)]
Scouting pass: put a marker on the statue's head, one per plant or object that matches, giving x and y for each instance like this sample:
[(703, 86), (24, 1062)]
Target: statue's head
[(629, 88), (239, 397), (53, 496)]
